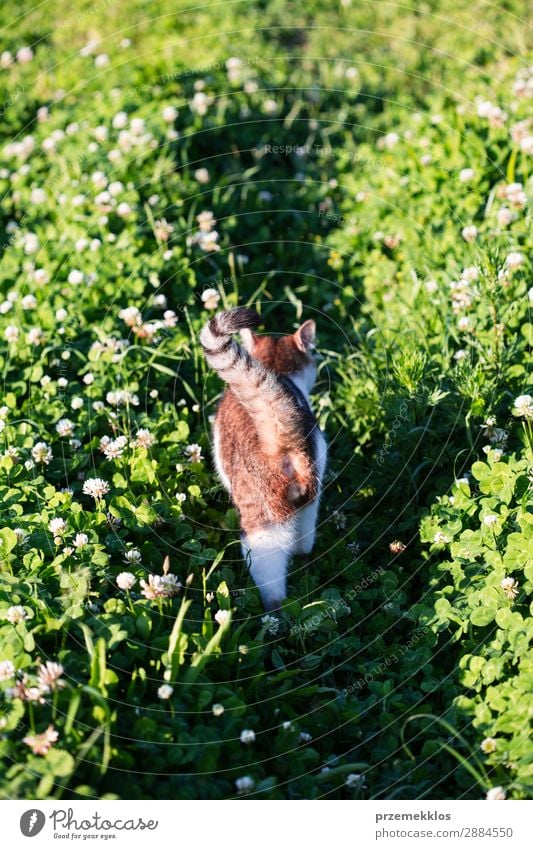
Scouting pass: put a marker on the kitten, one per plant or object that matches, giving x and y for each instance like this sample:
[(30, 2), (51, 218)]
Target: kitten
[(269, 451)]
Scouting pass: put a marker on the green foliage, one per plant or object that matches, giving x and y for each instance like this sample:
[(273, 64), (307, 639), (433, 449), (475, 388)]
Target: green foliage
[(400, 666)]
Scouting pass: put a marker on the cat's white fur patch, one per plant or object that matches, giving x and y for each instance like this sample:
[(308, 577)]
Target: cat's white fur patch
[(268, 552), (218, 460), (304, 379)]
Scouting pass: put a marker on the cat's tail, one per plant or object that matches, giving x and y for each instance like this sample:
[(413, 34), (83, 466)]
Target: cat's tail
[(271, 407)]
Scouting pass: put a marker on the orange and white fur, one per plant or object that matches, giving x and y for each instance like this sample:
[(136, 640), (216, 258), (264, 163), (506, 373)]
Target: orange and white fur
[(269, 451)]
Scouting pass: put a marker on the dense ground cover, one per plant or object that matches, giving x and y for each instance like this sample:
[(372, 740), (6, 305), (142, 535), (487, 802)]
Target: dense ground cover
[(366, 165)]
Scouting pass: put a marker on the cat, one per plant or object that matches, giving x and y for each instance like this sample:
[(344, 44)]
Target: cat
[(268, 449)]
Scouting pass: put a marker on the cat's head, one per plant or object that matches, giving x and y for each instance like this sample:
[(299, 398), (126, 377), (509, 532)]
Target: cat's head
[(290, 355)]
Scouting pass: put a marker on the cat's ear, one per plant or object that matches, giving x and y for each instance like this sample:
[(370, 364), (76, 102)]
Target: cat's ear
[(305, 336), (249, 339)]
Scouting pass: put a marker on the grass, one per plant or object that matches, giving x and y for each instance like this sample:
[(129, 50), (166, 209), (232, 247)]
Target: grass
[(346, 153)]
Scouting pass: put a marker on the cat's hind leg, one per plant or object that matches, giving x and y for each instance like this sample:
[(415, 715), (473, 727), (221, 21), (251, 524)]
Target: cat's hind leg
[(267, 552), (305, 527)]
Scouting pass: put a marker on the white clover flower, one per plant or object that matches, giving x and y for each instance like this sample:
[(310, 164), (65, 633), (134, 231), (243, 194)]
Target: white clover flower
[(510, 587), (496, 794), (143, 438), (163, 229), (101, 60), (96, 487), (133, 555), (245, 784), (200, 103), (355, 781), (210, 299), (466, 175), (222, 616), (523, 406), (470, 273), (515, 195), (120, 120), (514, 260), (523, 85), (115, 188), (440, 538), (41, 276), (49, 675), (169, 113), (41, 453), (247, 736), (11, 333), (21, 536), (28, 302), (131, 316), (103, 202), (16, 614), (469, 233), (490, 520), (80, 540), (504, 216), (160, 586), (389, 141), (89, 48), (201, 175), (464, 324), (193, 452), (75, 277), (170, 319), (7, 670), (126, 581), (101, 133), (34, 336), (272, 623), (495, 115), (40, 744), (24, 55), (113, 448), (165, 691), (217, 709), (121, 398), (88, 378), (206, 221), (124, 210), (488, 745), (65, 427), (57, 526), (208, 241), (77, 403), (137, 126)]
